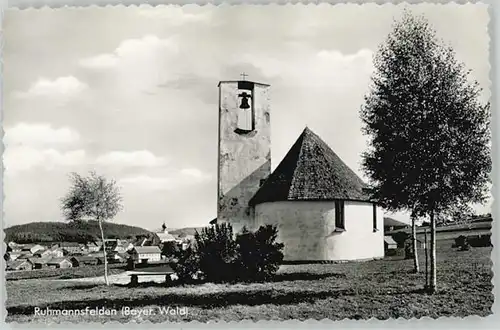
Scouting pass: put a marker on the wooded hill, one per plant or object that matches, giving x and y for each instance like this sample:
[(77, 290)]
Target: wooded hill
[(181, 232), (81, 232)]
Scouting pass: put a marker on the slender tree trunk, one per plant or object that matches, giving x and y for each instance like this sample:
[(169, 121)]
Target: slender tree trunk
[(433, 275), (414, 241), (426, 261), (105, 255)]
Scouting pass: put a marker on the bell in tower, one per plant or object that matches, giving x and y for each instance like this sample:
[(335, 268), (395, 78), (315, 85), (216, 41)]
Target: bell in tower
[(246, 112), (244, 100)]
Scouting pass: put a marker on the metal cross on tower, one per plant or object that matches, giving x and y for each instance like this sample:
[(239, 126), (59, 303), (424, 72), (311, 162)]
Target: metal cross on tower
[(243, 75)]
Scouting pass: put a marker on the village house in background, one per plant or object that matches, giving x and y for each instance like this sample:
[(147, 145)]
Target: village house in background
[(143, 254), (69, 247), (39, 263), (59, 263), (84, 261), (32, 248), (93, 247), (20, 265)]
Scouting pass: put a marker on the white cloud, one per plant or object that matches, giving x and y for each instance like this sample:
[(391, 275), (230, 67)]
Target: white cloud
[(137, 65), (39, 135), (132, 52), (149, 183), (141, 158), (175, 15), (195, 173), (29, 146), (144, 46), (23, 158), (62, 86), (325, 68), (184, 177), (100, 61), (345, 58)]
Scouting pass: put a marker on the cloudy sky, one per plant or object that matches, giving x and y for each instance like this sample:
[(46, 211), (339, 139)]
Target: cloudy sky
[(132, 93)]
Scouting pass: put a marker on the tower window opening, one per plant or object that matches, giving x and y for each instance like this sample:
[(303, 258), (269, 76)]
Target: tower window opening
[(245, 112)]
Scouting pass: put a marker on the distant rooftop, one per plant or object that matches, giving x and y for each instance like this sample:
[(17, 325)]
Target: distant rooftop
[(54, 261), (147, 249), (165, 237)]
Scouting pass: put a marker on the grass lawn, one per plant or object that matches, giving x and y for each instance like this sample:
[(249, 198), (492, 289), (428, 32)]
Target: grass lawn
[(382, 289), (66, 273)]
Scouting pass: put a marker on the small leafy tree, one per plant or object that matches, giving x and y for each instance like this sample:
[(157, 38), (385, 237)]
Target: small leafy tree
[(259, 255), (429, 147), (170, 249), (217, 252), (92, 197), (153, 239), (455, 214)]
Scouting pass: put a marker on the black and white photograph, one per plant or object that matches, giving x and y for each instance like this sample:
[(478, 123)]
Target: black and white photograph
[(248, 162)]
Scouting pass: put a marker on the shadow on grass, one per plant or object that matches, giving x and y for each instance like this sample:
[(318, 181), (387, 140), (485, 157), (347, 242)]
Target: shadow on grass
[(83, 286), (210, 300), (69, 277), (305, 276), (397, 272)]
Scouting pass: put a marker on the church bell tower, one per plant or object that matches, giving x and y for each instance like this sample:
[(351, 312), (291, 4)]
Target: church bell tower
[(244, 149)]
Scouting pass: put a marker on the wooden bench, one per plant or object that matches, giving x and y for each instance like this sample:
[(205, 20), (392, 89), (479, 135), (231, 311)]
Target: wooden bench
[(134, 276)]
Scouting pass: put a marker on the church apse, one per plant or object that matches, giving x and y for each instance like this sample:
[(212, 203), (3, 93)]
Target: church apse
[(244, 148)]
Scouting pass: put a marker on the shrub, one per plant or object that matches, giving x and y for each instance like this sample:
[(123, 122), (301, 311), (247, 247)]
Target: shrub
[(479, 241), (216, 249), (259, 256), (400, 238), (130, 264), (393, 252), (187, 266), (462, 243), (218, 257), (251, 256), (409, 252)]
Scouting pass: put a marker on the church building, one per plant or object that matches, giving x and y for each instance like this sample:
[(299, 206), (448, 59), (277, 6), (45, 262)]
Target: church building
[(317, 202), (164, 235)]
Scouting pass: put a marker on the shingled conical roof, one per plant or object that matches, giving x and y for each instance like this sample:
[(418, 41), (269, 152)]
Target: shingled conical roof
[(311, 171)]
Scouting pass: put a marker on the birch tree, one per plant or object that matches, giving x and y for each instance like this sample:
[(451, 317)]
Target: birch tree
[(92, 197), (429, 138)]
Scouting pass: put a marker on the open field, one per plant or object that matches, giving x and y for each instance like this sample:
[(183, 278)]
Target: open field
[(452, 231), (381, 289), (66, 273)]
